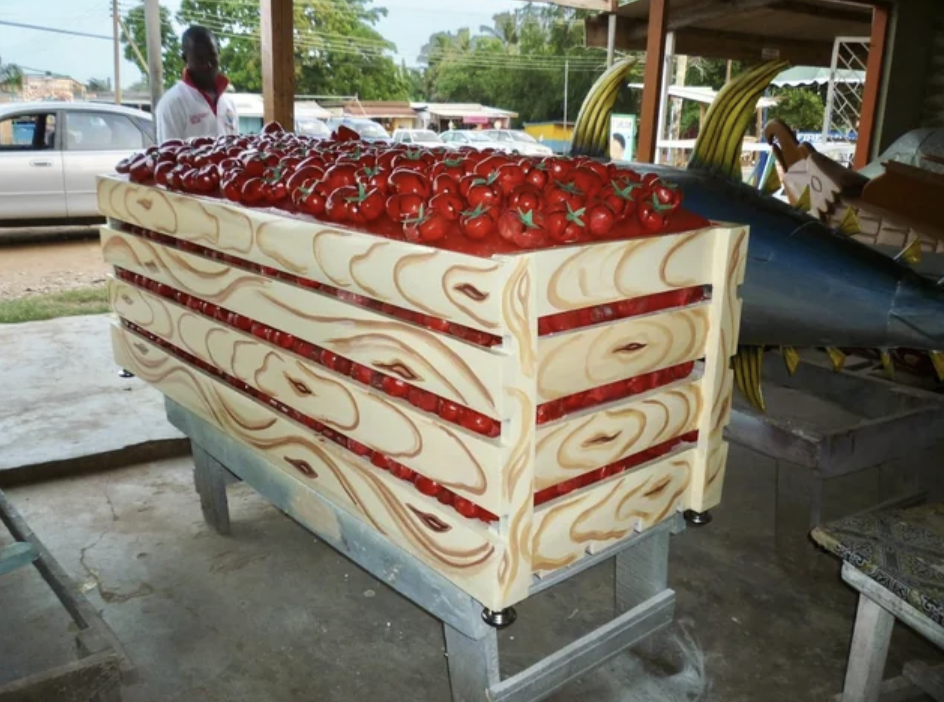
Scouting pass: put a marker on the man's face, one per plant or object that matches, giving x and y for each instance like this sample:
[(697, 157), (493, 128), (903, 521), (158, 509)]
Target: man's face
[(203, 63)]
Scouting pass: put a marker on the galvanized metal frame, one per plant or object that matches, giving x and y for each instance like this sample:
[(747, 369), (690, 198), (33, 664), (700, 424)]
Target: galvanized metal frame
[(644, 601)]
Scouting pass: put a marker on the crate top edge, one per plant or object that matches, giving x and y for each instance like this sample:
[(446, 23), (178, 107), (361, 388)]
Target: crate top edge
[(497, 258)]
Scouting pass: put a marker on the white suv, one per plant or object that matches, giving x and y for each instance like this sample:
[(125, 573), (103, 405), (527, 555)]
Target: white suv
[(519, 142), (421, 137)]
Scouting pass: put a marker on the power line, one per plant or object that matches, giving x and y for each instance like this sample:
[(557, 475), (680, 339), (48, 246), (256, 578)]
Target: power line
[(55, 30)]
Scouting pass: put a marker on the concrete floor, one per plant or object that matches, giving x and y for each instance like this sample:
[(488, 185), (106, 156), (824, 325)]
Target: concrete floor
[(270, 613)]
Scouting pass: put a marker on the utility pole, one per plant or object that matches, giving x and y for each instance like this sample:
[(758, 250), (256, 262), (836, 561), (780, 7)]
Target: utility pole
[(610, 39), (115, 31), (566, 74), (152, 25)]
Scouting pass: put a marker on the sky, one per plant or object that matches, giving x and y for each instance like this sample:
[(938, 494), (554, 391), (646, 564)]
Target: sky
[(408, 25)]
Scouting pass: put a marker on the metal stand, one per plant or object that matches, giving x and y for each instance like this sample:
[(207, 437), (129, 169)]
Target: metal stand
[(644, 603), (890, 422), (96, 675), (123, 373), (697, 519)]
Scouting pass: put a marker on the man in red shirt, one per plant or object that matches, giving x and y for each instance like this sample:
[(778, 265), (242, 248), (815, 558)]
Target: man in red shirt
[(198, 104)]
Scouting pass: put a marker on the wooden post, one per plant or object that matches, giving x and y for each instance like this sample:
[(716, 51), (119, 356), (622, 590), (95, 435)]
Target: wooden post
[(873, 84), (652, 90), (152, 25), (278, 62)]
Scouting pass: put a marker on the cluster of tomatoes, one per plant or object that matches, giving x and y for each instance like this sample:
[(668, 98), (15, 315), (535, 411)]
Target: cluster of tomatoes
[(421, 195)]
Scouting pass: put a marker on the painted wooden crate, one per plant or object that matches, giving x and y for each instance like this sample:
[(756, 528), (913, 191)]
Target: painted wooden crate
[(255, 320)]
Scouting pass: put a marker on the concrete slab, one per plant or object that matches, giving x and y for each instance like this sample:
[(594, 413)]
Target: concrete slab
[(58, 381), (270, 613)]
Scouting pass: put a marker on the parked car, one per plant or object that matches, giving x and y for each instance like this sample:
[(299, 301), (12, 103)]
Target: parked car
[(519, 142), (50, 153), (472, 138), (368, 129), (422, 137), (312, 126)]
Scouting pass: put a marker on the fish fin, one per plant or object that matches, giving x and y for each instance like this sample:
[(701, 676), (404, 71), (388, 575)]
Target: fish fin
[(592, 128), (772, 182), (887, 364), (837, 357), (718, 147), (791, 357), (850, 222), (747, 375), (937, 360), (805, 202), (911, 254)]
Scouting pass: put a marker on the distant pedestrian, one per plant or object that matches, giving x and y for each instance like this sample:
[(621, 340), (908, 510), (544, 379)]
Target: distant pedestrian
[(198, 104)]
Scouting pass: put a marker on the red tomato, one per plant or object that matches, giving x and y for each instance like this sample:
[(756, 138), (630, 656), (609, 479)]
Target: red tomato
[(272, 128), (649, 215), (445, 183), (310, 199), (566, 225), (403, 181), (525, 197), (524, 229), (161, 170), (557, 167), (564, 195), (252, 192), (413, 160), (447, 204), (341, 174), (124, 165), (667, 194), (232, 185), (510, 176), (482, 191), (601, 169), (587, 180), (489, 165), (301, 176), (336, 207), (537, 176), (600, 219), (430, 225), (365, 205), (207, 179), (402, 207), (478, 223), (142, 168), (449, 166), (343, 133), (255, 165), (621, 197)]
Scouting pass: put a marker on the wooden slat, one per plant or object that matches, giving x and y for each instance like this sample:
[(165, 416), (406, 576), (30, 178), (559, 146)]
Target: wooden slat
[(724, 311), (520, 373), (573, 277), (450, 368), (461, 288), (599, 515), (574, 361), (465, 462), (573, 445), (465, 551)]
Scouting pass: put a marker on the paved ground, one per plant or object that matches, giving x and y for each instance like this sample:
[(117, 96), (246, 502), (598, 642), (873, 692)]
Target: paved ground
[(270, 613), (58, 379)]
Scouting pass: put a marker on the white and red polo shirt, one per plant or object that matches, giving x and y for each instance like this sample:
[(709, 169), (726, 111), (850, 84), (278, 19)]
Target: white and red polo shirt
[(186, 111)]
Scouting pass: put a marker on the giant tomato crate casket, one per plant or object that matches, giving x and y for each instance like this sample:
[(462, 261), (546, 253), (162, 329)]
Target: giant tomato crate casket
[(231, 311)]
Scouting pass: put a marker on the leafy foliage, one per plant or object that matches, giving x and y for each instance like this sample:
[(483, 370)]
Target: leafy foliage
[(99, 85), (170, 44), (11, 76), (518, 63), (800, 108)]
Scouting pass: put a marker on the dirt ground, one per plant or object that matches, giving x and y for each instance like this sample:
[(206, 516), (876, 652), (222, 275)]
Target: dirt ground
[(50, 266)]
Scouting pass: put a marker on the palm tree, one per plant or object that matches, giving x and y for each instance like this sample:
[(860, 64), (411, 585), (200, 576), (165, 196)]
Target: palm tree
[(11, 76)]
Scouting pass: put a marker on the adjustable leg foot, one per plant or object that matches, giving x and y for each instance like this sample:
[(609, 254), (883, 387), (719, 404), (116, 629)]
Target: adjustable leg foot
[(123, 373), (500, 618), (697, 518)]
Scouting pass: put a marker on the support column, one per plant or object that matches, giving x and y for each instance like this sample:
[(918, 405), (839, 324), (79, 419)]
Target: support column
[(152, 27), (278, 62), (873, 84), (652, 90)]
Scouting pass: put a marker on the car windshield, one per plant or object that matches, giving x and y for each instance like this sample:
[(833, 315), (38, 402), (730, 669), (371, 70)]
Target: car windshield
[(312, 127), (522, 136), (366, 128), (426, 136), (477, 136)]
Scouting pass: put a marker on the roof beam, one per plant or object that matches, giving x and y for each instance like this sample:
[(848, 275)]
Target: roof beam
[(844, 13), (745, 47), (703, 12), (597, 5)]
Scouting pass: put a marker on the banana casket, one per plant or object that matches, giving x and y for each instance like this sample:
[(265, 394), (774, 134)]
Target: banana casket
[(498, 418)]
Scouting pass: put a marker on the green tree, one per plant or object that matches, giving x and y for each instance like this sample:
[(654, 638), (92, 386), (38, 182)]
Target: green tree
[(337, 49), (519, 64), (11, 76), (800, 108), (99, 85), (171, 58)]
